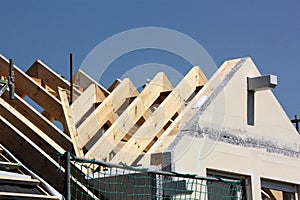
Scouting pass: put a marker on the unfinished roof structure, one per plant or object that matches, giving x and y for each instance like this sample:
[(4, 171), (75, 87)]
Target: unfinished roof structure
[(18, 182), (231, 125)]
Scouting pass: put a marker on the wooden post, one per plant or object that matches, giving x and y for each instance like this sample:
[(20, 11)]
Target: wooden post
[(70, 125)]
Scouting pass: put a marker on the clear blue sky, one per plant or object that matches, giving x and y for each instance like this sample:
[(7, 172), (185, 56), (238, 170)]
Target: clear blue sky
[(268, 31)]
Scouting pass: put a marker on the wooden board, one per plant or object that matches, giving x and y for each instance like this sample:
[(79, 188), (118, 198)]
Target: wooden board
[(69, 116), (27, 86), (21, 196), (106, 110), (49, 78), (170, 134), (114, 85), (18, 181), (84, 81), (103, 147), (29, 129), (31, 155), (40, 121), (154, 128), (85, 103)]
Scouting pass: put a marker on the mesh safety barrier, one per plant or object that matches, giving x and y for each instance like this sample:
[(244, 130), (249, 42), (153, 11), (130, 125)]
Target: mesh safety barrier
[(91, 179)]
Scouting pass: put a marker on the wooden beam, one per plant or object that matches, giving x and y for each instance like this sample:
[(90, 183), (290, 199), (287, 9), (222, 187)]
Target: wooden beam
[(114, 85), (106, 110), (167, 137), (164, 114), (50, 78), (104, 146), (29, 129), (22, 196), (84, 81), (40, 121), (85, 103), (26, 85), (31, 154), (19, 181), (49, 89), (69, 116)]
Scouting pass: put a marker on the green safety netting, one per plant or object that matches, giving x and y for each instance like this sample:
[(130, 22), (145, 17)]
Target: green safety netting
[(92, 179)]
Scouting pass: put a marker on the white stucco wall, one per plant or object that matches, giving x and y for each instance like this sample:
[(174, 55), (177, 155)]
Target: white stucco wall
[(223, 140)]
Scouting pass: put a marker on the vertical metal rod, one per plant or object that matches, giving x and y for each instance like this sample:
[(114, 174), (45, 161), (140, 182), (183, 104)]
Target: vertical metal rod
[(297, 122), (67, 176), (71, 77), (11, 80)]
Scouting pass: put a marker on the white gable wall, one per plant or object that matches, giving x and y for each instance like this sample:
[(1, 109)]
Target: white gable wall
[(223, 140)]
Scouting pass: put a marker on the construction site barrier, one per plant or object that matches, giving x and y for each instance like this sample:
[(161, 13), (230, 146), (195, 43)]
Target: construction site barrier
[(92, 179)]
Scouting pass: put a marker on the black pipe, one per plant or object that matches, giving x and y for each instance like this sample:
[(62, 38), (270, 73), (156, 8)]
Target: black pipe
[(71, 78), (67, 176), (297, 122), (11, 80)]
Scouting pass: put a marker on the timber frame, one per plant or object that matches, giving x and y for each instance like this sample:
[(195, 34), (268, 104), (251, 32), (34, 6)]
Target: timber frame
[(110, 124), (118, 124)]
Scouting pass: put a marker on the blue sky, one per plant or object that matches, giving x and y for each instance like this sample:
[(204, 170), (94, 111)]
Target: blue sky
[(267, 31)]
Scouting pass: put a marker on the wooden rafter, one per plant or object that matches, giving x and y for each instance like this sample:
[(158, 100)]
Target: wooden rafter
[(82, 80), (103, 147), (40, 121), (167, 137), (114, 85), (31, 154), (106, 110), (86, 102), (40, 71), (152, 129), (21, 196), (29, 129), (25, 85), (69, 116)]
